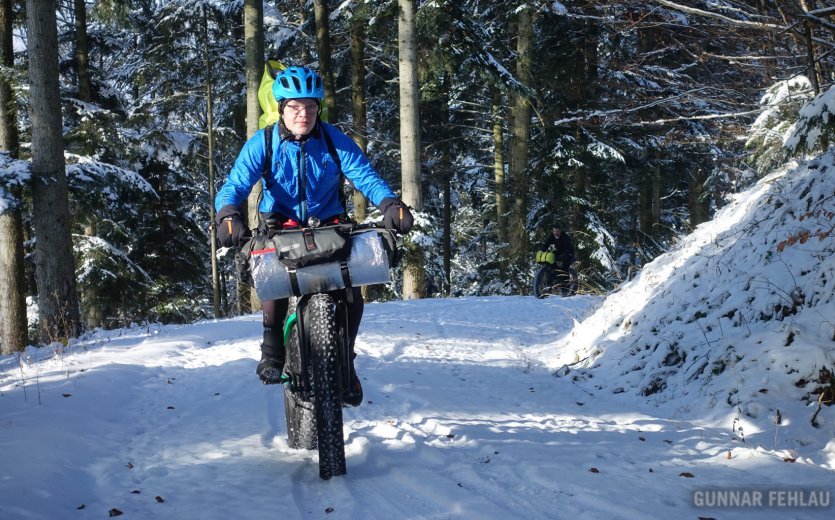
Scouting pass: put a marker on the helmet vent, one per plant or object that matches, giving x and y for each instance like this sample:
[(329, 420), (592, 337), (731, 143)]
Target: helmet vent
[(297, 83)]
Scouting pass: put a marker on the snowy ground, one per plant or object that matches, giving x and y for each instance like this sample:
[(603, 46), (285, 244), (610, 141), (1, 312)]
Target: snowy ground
[(696, 383), (463, 419)]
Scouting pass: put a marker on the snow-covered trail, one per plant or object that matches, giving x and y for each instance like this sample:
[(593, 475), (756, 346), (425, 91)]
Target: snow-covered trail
[(461, 420)]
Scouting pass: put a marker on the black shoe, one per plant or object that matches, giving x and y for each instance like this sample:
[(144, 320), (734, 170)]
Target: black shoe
[(353, 395), (269, 369)]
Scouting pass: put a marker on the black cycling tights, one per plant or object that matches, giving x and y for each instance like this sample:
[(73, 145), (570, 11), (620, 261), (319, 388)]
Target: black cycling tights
[(276, 310)]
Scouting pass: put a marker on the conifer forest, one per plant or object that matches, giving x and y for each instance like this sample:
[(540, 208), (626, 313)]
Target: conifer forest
[(627, 122)]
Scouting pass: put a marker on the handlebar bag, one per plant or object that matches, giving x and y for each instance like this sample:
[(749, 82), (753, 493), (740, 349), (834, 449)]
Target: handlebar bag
[(367, 264), (310, 246)]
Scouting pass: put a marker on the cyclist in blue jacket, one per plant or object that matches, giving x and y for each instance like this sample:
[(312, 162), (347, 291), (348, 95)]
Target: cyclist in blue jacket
[(302, 183)]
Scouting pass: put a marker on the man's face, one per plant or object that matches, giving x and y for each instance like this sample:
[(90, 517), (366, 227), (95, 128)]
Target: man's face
[(556, 231), (299, 115)]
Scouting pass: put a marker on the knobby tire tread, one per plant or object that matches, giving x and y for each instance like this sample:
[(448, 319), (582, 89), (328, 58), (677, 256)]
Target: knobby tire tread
[(324, 341), (299, 412)]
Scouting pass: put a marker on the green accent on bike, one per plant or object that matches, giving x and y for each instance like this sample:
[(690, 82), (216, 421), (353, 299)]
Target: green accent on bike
[(287, 324), (287, 379)]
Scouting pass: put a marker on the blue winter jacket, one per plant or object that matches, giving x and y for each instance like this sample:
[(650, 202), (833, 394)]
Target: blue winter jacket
[(307, 160)]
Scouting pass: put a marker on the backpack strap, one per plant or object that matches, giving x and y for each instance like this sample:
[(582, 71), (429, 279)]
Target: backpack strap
[(268, 155), (338, 162)]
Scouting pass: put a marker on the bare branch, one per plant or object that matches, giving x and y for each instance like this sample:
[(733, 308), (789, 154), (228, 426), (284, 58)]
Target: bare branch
[(822, 11), (708, 14), (597, 116), (699, 118)]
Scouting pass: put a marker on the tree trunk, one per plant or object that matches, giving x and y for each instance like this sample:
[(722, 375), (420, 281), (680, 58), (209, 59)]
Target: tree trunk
[(13, 323), (211, 169), (413, 270), (578, 187), (359, 132), (55, 273), (446, 169), (306, 58), (498, 167), (520, 137), (645, 208), (359, 117), (9, 138), (656, 189), (91, 295), (814, 66), (254, 50), (589, 79), (698, 201), (323, 47), (768, 46), (82, 53), (448, 233)]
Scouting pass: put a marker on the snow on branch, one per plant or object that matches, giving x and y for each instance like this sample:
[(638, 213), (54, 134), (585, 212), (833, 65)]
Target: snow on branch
[(815, 126), (85, 169), (708, 14), (88, 245), (602, 116), (14, 174)]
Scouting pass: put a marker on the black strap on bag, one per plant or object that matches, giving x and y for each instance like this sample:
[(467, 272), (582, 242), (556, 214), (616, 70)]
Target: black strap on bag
[(294, 282), (346, 280)]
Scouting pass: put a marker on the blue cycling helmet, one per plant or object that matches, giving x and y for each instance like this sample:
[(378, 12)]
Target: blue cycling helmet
[(298, 82)]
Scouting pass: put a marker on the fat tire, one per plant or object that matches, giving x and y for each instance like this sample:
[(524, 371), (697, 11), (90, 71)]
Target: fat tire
[(572, 273), (301, 422), (542, 281), (298, 410), (321, 321)]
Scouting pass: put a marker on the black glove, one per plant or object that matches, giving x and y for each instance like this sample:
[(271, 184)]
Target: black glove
[(396, 215), (231, 230)]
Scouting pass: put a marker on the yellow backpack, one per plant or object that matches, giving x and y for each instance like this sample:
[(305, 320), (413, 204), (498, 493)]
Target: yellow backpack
[(269, 106)]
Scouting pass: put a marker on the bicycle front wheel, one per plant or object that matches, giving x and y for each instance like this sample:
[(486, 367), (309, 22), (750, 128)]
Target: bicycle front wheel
[(543, 282), (324, 349), (299, 408)]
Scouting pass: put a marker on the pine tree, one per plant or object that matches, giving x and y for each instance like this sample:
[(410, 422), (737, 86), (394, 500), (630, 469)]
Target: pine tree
[(13, 323), (59, 317)]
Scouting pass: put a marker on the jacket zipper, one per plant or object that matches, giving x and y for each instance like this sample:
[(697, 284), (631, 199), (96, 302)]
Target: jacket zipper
[(302, 185)]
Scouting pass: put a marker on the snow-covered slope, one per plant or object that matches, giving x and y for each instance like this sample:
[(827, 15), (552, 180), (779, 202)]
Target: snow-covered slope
[(739, 317)]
